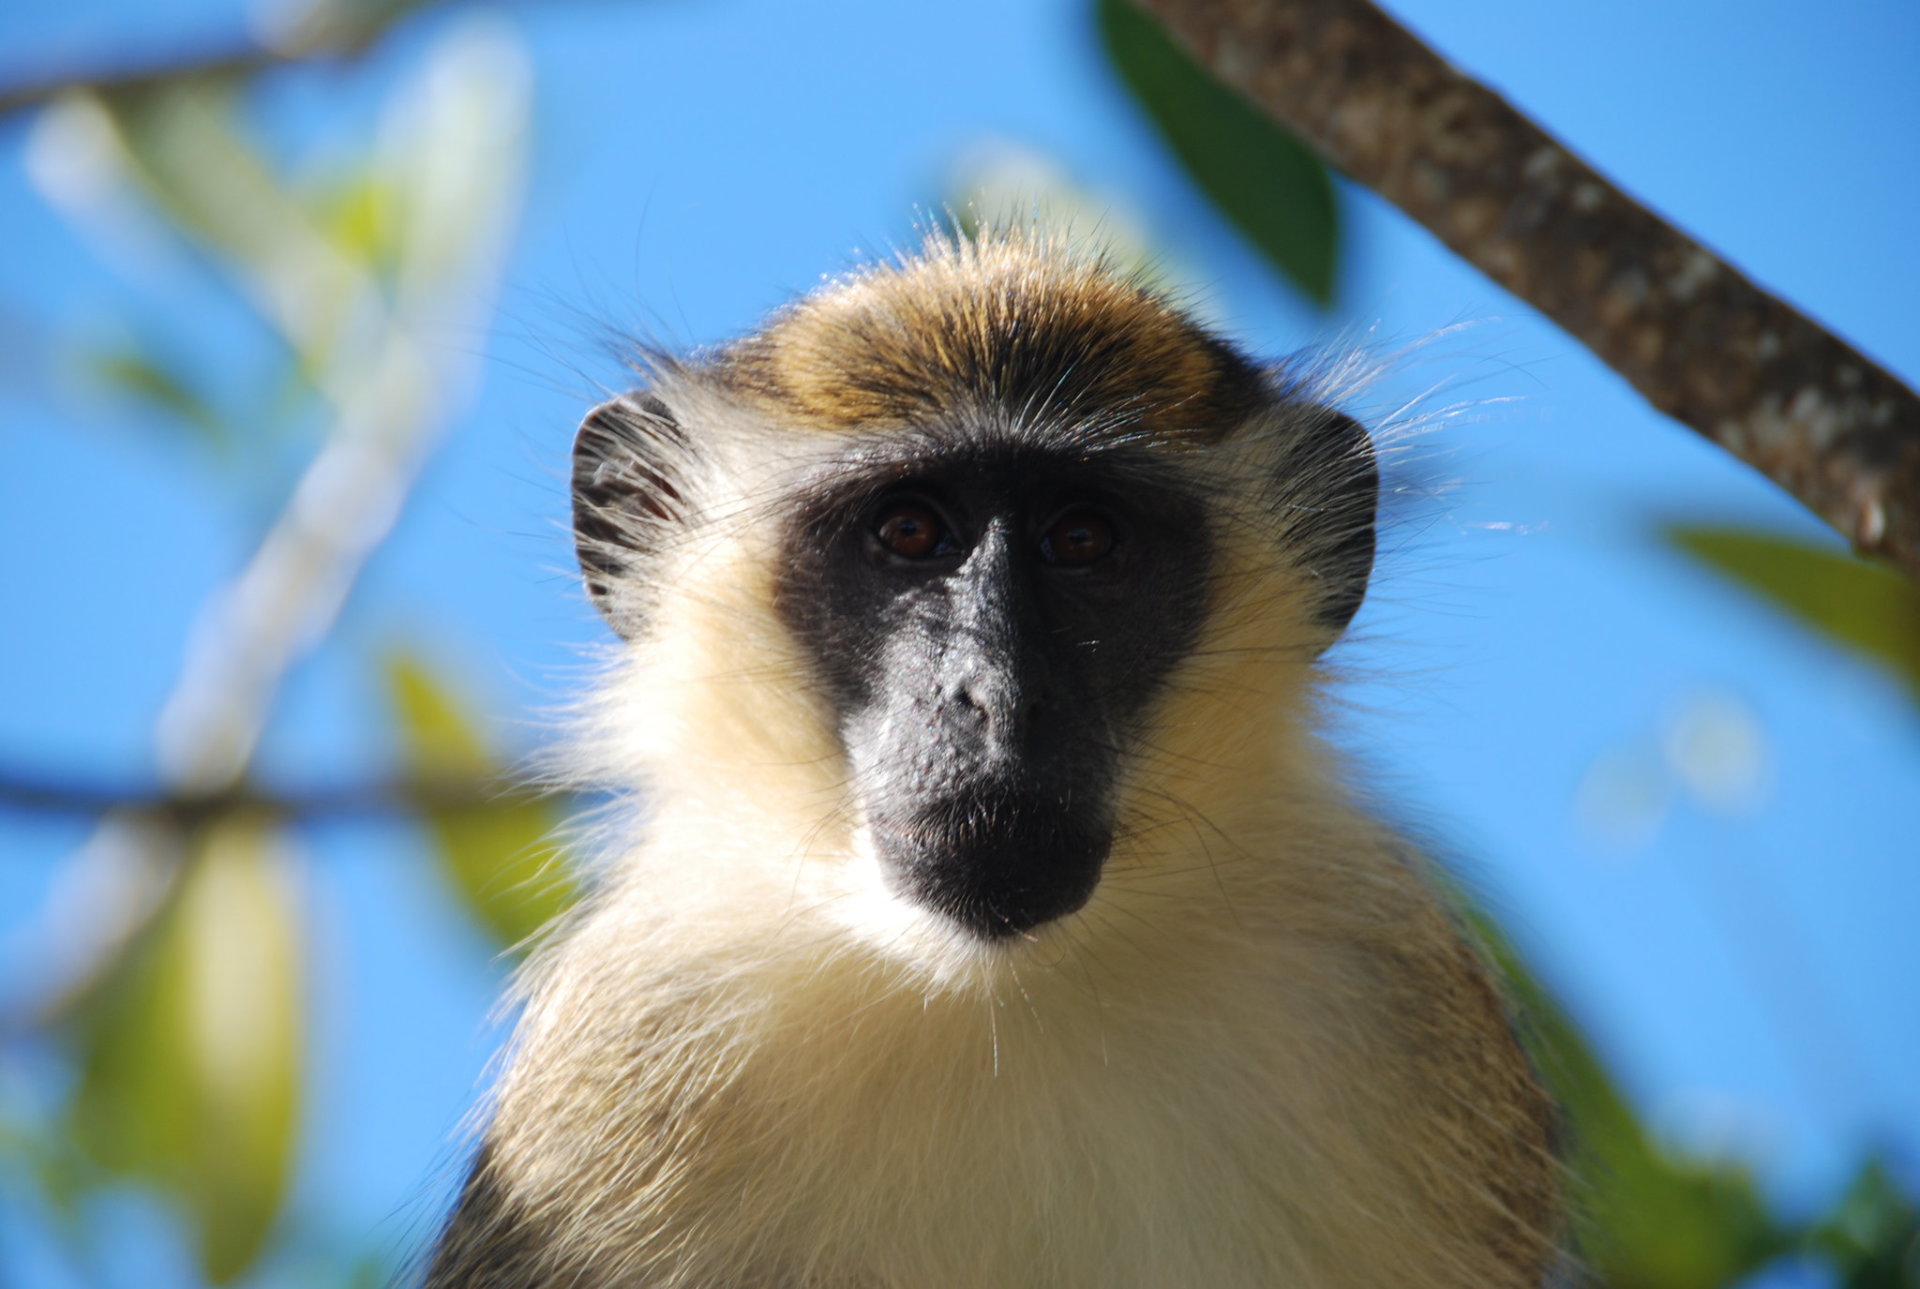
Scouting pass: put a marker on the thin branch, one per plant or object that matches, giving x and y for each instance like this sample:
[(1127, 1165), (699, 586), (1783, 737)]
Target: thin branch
[(414, 795), (324, 32), (242, 60), (398, 396), (1697, 338)]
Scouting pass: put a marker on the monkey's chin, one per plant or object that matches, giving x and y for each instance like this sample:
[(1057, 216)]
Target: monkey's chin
[(996, 866)]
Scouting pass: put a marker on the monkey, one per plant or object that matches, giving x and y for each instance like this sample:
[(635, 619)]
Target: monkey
[(997, 914)]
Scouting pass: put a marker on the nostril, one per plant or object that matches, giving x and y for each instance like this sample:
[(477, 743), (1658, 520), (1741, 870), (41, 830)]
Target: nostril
[(978, 695), (1000, 704)]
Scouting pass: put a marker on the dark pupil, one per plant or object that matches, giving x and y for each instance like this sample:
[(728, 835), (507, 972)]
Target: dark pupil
[(911, 532), (1079, 539)]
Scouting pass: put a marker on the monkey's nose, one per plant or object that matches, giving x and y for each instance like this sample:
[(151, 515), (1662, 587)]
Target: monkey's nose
[(1001, 703)]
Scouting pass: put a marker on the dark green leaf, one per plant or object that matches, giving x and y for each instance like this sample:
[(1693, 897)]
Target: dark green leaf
[(498, 853), (1862, 606), (1272, 188)]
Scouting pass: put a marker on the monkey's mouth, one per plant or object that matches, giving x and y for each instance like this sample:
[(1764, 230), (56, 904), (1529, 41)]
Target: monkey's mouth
[(999, 863)]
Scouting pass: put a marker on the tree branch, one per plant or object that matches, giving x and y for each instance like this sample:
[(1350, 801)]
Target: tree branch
[(324, 32), (1698, 339), (240, 61), (374, 798)]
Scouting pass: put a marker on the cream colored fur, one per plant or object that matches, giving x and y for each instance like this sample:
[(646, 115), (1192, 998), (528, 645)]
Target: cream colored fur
[(1260, 1056)]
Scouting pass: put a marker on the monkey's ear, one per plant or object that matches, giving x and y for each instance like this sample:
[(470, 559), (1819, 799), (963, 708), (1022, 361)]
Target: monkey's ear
[(630, 485), (1333, 494)]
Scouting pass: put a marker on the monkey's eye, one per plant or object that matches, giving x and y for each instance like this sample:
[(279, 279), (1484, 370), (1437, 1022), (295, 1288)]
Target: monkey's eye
[(1077, 538), (912, 530)]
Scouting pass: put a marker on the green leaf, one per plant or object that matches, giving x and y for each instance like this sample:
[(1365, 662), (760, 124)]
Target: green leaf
[(359, 216), (1266, 182), (1001, 185), (1645, 1220), (1864, 607), (61, 1179), (1872, 1236), (187, 149), (191, 1052), (498, 852), (142, 378)]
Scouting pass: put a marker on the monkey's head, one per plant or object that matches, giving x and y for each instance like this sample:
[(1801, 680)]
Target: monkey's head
[(975, 570)]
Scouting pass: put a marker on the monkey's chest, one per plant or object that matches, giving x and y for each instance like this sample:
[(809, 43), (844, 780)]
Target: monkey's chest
[(1017, 1162)]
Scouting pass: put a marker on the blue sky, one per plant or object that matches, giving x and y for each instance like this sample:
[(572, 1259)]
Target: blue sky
[(1751, 973)]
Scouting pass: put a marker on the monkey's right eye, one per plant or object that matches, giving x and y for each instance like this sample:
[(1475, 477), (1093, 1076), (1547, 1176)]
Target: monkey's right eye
[(912, 531)]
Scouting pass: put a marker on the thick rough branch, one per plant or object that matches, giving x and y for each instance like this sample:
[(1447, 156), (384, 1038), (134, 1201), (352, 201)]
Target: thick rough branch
[(1699, 340)]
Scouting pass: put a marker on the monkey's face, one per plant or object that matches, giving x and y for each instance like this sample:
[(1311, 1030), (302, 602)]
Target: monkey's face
[(952, 568), (991, 624)]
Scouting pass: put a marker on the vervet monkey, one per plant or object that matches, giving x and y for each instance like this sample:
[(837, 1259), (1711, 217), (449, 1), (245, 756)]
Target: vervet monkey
[(998, 917)]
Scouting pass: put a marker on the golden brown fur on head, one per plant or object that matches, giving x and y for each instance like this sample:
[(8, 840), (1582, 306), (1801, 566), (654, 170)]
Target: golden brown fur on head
[(1259, 1054), (932, 332)]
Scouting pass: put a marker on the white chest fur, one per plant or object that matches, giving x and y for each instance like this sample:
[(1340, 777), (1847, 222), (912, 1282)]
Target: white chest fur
[(819, 1119)]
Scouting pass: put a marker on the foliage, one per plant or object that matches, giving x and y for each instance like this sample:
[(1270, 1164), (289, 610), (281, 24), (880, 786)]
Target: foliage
[(499, 858), (1647, 1219), (1860, 606), (190, 1049), (186, 1022), (1275, 191)]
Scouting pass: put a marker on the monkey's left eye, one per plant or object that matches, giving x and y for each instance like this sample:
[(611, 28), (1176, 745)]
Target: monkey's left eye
[(912, 531), (1077, 538)]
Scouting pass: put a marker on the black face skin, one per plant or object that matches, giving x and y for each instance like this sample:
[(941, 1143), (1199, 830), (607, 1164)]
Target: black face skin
[(991, 622), (990, 611)]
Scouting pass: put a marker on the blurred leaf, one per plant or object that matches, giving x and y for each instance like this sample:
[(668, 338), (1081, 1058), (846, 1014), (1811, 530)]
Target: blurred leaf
[(1872, 1237), (1273, 189), (61, 1179), (372, 1271), (144, 379), (1869, 609), (361, 219), (1645, 1220), (499, 855), (998, 185), (190, 1054), (186, 149), (451, 152)]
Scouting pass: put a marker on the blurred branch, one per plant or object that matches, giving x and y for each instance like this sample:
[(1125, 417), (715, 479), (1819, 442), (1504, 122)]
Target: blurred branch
[(322, 31), (397, 392), (1697, 338), (403, 795), (242, 60)]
